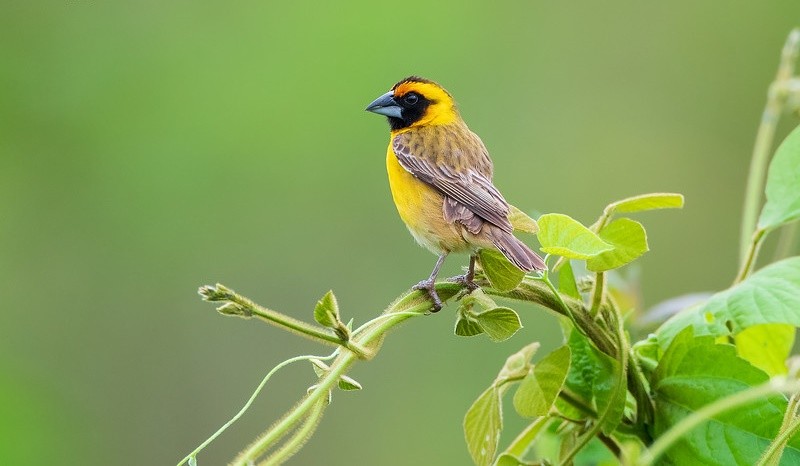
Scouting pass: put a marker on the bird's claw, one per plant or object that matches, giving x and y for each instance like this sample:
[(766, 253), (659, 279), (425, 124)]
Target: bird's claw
[(466, 281), (429, 286)]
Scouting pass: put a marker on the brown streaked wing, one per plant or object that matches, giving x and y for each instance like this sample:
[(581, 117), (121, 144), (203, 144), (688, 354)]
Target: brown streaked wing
[(465, 177)]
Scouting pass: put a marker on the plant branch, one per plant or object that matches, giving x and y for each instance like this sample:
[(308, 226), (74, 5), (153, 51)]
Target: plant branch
[(584, 323), (240, 306), (776, 98), (773, 454), (644, 404), (368, 336), (278, 430), (789, 427), (622, 359), (303, 433), (597, 293), (751, 255), (250, 402), (577, 402)]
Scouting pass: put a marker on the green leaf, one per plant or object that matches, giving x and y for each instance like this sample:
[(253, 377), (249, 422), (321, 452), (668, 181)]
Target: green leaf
[(560, 234), (566, 281), (783, 184), (769, 296), (766, 346), (347, 383), (643, 202), (539, 389), (507, 459), (502, 274), (484, 421), (326, 312), (521, 221), (593, 375), (694, 372), (320, 368), (466, 326), (482, 425), (629, 240), (500, 323)]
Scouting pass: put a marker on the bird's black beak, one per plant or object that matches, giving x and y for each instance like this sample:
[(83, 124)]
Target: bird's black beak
[(386, 105)]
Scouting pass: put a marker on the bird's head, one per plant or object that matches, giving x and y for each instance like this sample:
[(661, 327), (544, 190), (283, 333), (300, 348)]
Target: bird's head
[(415, 102)]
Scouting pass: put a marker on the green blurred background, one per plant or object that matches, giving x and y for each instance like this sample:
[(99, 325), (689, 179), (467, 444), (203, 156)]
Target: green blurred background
[(149, 148)]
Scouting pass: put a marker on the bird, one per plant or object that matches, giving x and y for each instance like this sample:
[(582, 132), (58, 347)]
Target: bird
[(440, 177)]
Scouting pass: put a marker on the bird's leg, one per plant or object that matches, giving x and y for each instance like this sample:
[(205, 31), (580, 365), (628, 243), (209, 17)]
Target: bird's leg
[(468, 279), (429, 284)]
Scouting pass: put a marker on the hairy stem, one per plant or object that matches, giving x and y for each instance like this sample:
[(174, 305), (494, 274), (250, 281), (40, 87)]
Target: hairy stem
[(619, 388), (281, 428), (303, 433), (249, 402), (789, 427)]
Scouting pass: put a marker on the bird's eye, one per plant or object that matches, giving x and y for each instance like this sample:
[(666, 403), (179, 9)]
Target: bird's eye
[(411, 98)]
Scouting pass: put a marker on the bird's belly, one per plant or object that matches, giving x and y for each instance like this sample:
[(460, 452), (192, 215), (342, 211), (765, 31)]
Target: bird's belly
[(421, 208)]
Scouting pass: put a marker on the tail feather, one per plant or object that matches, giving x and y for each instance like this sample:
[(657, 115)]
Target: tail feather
[(516, 251)]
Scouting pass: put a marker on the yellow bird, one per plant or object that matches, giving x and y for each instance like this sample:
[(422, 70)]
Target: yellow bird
[(440, 175)]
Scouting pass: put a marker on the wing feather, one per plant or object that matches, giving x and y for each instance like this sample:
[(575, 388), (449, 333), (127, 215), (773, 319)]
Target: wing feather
[(460, 169)]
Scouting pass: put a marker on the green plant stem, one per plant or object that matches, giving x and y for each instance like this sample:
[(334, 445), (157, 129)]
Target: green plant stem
[(772, 456), (668, 438), (250, 402), (644, 404), (622, 358), (610, 443), (791, 411), (776, 97), (789, 427), (539, 291), (577, 402), (300, 436), (278, 430), (408, 306), (750, 256), (597, 293), (582, 322), (299, 327)]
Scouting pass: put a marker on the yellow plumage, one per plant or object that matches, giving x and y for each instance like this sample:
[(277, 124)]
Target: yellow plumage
[(419, 207)]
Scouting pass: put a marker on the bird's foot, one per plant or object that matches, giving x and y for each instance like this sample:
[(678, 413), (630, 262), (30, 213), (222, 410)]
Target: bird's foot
[(429, 286), (466, 281)]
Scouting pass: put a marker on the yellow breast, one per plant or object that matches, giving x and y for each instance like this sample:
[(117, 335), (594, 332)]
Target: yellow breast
[(421, 208)]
